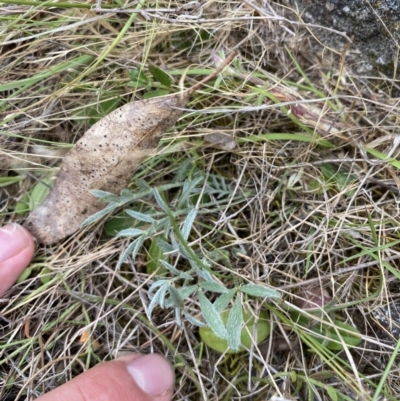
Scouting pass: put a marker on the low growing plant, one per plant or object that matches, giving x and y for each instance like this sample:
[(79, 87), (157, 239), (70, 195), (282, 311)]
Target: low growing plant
[(186, 272)]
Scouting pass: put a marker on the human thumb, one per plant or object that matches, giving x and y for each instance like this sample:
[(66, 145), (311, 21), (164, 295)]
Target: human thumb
[(133, 377)]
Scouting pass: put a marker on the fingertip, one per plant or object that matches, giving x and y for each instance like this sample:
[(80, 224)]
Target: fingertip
[(16, 251), (132, 377), (14, 238), (153, 374)]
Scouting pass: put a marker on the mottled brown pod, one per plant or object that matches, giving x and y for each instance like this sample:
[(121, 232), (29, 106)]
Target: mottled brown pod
[(105, 159)]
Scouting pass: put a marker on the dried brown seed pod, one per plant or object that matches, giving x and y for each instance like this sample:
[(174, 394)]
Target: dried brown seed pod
[(105, 159)]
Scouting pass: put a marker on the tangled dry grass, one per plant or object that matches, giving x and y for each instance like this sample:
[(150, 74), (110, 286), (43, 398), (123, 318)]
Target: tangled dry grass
[(312, 196)]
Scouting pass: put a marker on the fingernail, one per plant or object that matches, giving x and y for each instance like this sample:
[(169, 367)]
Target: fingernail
[(15, 239), (153, 374)]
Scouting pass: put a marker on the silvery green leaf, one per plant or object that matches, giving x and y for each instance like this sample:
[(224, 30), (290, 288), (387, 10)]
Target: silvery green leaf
[(222, 302), (234, 324), (260, 291), (176, 272), (186, 292), (175, 297), (183, 170), (140, 216), (160, 200), (167, 187), (183, 198), (104, 196), (136, 245), (97, 216), (169, 303), (178, 319), (174, 243), (206, 262), (156, 285), (135, 196), (165, 225), (132, 248), (183, 251), (212, 317), (98, 193), (188, 223), (213, 286), (171, 268), (205, 274), (159, 221), (142, 184), (130, 232), (146, 190), (185, 276), (187, 190), (152, 230), (158, 298), (126, 194), (193, 320), (163, 290), (165, 246)]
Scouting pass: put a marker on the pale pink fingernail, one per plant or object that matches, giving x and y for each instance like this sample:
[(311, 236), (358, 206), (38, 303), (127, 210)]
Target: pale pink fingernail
[(13, 239), (153, 374)]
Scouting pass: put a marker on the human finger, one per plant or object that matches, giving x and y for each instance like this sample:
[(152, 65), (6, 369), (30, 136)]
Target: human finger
[(133, 377), (16, 251)]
